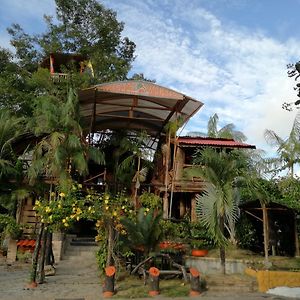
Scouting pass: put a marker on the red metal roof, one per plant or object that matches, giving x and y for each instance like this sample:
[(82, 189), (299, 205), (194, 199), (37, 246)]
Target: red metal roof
[(214, 142)]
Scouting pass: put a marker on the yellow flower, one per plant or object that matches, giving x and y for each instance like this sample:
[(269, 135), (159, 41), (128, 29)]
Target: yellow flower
[(89, 208), (52, 194), (37, 202), (123, 207), (106, 207), (147, 209), (59, 205), (77, 218), (80, 185), (114, 213), (64, 221), (42, 220), (66, 224), (48, 209), (106, 201), (62, 194)]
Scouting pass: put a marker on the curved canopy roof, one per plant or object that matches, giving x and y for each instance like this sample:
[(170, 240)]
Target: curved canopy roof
[(134, 105)]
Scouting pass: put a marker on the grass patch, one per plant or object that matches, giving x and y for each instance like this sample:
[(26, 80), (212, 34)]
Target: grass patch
[(131, 287), (257, 261)]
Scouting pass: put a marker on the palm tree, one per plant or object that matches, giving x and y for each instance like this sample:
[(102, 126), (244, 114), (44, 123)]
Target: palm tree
[(144, 232), (63, 147), (62, 150), (10, 130), (228, 131), (217, 206), (288, 149)]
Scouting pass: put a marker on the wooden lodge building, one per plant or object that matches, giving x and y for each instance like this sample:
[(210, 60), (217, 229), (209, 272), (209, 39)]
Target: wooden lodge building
[(137, 106)]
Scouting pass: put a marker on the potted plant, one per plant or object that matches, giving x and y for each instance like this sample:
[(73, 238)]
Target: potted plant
[(199, 248), (200, 240)]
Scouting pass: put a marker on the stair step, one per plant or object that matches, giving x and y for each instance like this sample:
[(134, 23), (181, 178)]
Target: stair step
[(80, 243)]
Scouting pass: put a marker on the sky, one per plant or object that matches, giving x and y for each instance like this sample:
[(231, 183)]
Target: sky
[(229, 54)]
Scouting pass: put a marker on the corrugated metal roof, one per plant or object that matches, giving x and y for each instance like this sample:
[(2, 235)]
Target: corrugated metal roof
[(215, 142), (134, 104)]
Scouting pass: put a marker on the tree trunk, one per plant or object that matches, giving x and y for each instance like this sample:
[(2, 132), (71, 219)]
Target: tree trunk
[(222, 248), (173, 177), (195, 282), (109, 282), (110, 245), (166, 179), (35, 255), (266, 235), (41, 265), (223, 259), (49, 259), (154, 281)]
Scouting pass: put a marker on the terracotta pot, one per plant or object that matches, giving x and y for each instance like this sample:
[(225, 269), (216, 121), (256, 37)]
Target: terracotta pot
[(199, 252)]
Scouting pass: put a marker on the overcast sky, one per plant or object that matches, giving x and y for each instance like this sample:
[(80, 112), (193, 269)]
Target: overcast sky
[(229, 54)]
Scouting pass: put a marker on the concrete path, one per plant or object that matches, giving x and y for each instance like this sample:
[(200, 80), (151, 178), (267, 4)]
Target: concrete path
[(78, 279)]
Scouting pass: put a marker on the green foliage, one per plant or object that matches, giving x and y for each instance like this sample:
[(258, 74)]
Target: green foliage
[(101, 256), (260, 189), (10, 227), (15, 91), (228, 131), (288, 149), (10, 130), (246, 234), (63, 147), (217, 206), (144, 232), (150, 200), (289, 189), (199, 237), (81, 26), (172, 126), (175, 231)]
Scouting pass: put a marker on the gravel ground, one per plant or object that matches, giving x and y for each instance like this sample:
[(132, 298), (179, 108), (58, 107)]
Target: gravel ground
[(80, 281)]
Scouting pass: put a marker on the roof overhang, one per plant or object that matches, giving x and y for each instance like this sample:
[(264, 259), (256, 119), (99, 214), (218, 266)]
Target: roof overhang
[(134, 105), (187, 141)]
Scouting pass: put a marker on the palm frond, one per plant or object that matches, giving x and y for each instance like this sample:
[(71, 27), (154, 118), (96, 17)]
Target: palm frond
[(212, 126)]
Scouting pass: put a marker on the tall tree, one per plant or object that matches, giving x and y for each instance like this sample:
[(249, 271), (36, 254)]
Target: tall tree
[(228, 131), (10, 130), (288, 149), (217, 206), (80, 26)]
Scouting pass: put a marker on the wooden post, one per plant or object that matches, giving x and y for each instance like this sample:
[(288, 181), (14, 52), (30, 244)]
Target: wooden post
[(195, 282), (154, 281), (109, 282), (266, 234), (193, 209)]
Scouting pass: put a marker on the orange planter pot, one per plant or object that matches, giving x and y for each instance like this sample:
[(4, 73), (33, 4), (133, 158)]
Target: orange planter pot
[(199, 252)]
